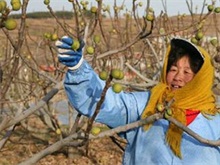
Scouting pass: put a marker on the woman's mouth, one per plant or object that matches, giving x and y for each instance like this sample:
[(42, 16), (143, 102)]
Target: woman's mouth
[(174, 87)]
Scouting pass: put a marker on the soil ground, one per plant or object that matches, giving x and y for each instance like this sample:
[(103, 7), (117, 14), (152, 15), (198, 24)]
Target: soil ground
[(101, 152)]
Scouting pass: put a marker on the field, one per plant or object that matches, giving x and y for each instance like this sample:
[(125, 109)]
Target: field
[(101, 152)]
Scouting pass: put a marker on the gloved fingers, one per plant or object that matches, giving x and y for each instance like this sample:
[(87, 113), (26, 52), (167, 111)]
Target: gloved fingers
[(67, 40), (69, 59), (67, 55), (68, 64), (66, 43), (64, 51), (69, 52), (62, 45), (63, 56)]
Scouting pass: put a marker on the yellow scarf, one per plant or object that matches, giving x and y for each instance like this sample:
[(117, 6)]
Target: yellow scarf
[(195, 95)]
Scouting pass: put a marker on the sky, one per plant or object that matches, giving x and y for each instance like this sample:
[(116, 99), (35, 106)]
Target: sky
[(173, 6)]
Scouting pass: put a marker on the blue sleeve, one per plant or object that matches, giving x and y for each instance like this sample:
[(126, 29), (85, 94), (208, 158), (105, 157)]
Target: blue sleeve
[(83, 88)]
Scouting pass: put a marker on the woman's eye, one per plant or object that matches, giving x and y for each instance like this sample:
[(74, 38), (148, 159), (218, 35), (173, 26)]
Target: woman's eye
[(187, 72), (173, 69)]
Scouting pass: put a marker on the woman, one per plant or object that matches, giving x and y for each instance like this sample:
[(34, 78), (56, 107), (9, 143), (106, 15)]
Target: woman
[(186, 78)]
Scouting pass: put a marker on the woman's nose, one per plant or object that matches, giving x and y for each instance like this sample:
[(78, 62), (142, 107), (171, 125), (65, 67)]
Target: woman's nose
[(178, 76)]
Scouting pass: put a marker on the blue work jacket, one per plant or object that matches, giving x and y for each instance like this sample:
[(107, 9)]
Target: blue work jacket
[(83, 87)]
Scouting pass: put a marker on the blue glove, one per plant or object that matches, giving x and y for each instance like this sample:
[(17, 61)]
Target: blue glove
[(66, 55)]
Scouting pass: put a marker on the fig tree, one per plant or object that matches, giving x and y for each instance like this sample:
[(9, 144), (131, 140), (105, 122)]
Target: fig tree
[(1, 8), (90, 50), (95, 131), (217, 10), (15, 1), (121, 76), (96, 39), (166, 116), (16, 6), (168, 113), (140, 4), (160, 107), (54, 37), (117, 88), (210, 8), (47, 35), (194, 40), (115, 73), (151, 10), (58, 131), (103, 75), (162, 31), (46, 2), (75, 45), (214, 41), (199, 35), (3, 5), (82, 3), (150, 17), (93, 9), (10, 24)]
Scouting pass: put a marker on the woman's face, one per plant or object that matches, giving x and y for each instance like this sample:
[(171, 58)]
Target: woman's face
[(180, 74)]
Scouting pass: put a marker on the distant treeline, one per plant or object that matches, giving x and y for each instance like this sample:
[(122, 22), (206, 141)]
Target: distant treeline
[(41, 15)]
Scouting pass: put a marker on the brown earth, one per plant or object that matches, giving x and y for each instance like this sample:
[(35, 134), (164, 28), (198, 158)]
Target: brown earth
[(101, 152), (23, 145)]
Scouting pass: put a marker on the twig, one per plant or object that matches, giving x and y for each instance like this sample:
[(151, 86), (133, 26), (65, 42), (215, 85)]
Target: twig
[(9, 131), (57, 20), (153, 50), (130, 126), (98, 107), (31, 110), (140, 75), (193, 134)]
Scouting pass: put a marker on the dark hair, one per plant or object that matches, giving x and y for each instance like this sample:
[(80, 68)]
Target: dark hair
[(177, 52)]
